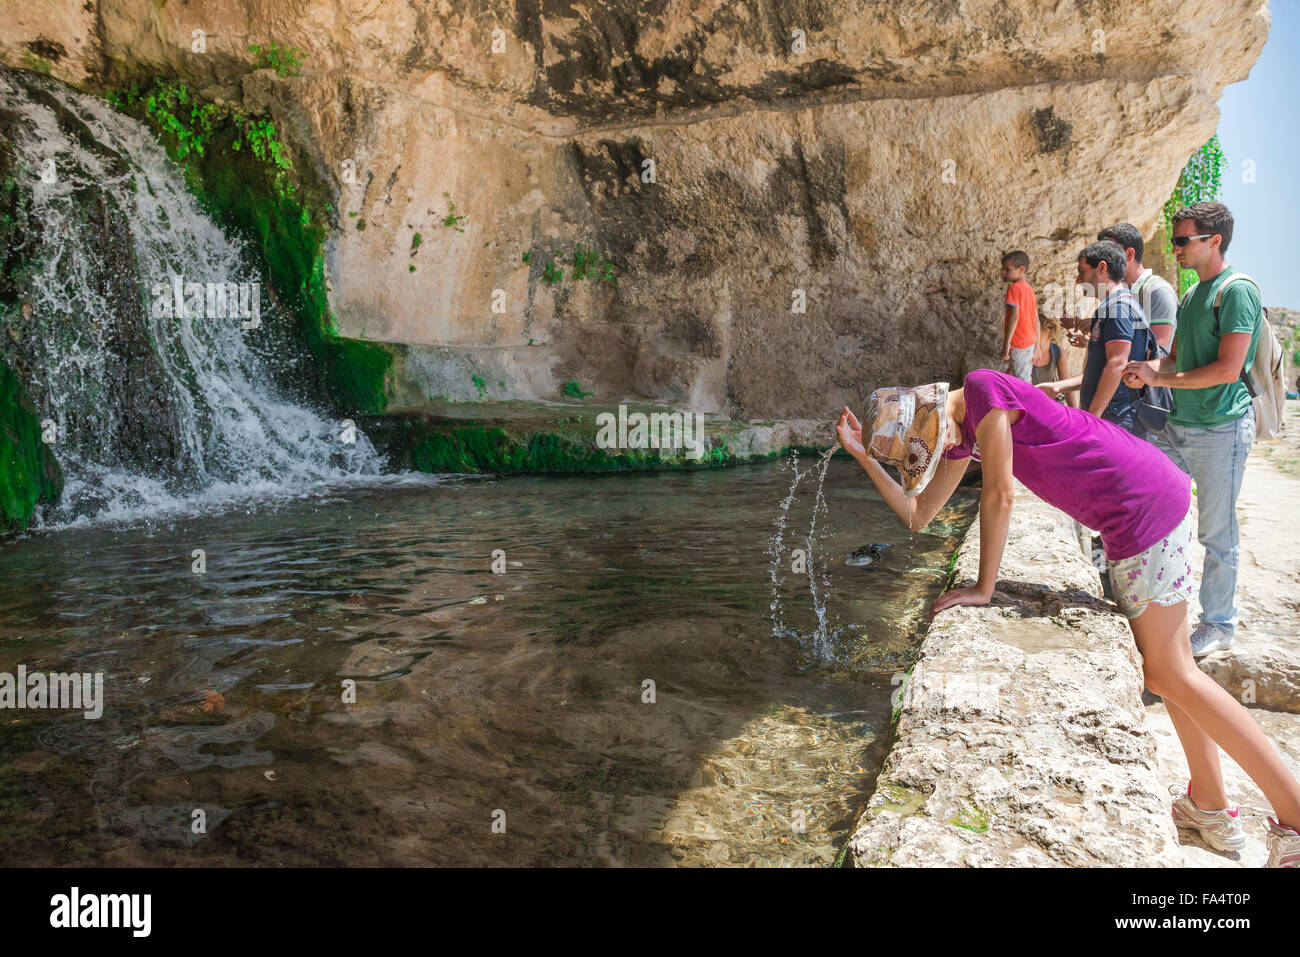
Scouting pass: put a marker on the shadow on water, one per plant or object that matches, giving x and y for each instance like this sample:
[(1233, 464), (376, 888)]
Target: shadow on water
[(478, 695)]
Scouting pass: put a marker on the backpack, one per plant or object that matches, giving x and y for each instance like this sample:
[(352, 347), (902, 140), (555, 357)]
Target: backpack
[(1265, 380), (1145, 288), (1153, 403)]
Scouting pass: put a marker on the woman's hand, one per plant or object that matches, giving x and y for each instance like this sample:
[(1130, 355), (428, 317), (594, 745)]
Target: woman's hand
[(1051, 389), (961, 596), (849, 431)]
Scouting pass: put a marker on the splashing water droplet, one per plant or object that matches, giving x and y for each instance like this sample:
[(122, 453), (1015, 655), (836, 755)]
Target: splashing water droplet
[(822, 639)]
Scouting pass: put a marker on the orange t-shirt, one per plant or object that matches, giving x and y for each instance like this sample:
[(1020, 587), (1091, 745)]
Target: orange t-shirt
[(1021, 294)]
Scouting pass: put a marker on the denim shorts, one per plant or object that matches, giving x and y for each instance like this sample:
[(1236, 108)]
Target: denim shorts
[(1161, 574), (1022, 363)]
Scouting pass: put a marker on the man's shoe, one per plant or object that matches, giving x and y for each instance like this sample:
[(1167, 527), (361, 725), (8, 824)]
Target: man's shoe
[(1283, 845), (1207, 638), (1219, 829)]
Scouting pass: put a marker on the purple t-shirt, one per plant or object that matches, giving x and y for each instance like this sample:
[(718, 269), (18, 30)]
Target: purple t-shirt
[(1095, 472)]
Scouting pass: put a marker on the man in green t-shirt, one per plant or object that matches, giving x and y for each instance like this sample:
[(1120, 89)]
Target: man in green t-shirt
[(1212, 426)]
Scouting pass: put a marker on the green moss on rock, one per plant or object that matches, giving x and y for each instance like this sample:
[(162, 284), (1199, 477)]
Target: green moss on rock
[(239, 191), (493, 449), (29, 473), (281, 210), (517, 436)]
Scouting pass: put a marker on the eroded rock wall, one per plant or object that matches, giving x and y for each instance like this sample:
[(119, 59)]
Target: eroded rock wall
[(876, 173)]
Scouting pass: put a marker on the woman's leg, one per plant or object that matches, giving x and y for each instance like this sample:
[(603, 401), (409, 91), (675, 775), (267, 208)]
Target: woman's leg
[(1171, 672), (1198, 747), (1202, 760)]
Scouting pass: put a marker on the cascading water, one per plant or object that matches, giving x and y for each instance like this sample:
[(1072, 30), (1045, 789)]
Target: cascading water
[(823, 640), (823, 637), (152, 414)]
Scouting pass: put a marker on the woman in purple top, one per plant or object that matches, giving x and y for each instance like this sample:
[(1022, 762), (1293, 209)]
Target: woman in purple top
[(1111, 481)]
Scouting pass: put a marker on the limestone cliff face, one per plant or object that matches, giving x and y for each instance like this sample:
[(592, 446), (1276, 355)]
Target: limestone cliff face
[(868, 158)]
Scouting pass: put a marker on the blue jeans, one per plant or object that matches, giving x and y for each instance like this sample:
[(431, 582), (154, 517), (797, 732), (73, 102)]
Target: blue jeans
[(1129, 423), (1216, 459)]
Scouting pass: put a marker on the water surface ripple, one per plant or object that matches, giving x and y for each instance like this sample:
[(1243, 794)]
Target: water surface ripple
[(476, 692)]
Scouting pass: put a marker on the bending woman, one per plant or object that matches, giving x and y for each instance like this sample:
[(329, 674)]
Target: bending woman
[(1125, 488)]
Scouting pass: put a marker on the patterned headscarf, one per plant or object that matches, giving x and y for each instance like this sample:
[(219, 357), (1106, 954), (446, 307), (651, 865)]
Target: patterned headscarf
[(908, 426)]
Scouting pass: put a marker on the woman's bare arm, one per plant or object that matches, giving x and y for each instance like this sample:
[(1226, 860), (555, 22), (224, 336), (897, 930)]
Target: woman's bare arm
[(996, 498), (914, 513)]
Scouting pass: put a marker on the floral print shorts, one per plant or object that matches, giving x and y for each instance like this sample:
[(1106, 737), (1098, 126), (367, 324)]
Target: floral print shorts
[(1161, 574)]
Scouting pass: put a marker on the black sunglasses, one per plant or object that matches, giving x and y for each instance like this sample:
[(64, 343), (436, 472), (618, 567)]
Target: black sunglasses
[(1181, 241)]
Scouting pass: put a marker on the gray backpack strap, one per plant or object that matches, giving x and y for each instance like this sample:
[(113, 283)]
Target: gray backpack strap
[(1218, 297), (1141, 284), (1218, 301)]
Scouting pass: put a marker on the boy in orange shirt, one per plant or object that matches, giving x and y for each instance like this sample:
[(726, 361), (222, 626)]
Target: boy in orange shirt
[(1020, 324)]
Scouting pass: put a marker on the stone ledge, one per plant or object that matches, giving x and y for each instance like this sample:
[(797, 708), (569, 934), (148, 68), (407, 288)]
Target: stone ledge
[(539, 437), (1020, 739)]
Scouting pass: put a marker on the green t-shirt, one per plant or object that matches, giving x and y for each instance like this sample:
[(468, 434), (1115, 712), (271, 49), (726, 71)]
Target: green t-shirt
[(1197, 345)]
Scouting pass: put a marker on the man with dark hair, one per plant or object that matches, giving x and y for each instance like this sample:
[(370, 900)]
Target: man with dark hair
[(1212, 426), (1118, 336), (1020, 319), (1156, 297)]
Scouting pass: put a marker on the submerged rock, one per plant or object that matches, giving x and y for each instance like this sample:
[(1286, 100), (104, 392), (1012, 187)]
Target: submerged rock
[(866, 555)]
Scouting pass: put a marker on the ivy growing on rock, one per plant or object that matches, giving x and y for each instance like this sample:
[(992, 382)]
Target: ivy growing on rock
[(188, 127), (1200, 181), (585, 263), (284, 60)]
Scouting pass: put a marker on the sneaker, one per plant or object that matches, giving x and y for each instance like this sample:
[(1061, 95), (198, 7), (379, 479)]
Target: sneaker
[(1207, 638), (1283, 845), (1219, 829)]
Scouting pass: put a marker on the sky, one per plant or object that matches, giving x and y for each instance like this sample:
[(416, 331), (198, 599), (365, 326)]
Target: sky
[(1259, 122)]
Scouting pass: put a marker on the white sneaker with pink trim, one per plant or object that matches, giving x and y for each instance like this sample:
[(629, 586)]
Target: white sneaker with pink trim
[(1219, 829), (1283, 845)]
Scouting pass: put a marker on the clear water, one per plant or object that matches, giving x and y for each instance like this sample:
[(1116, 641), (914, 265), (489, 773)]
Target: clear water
[(475, 692)]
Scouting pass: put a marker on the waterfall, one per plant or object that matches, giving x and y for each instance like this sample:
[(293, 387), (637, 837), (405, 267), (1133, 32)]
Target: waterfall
[(155, 410)]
